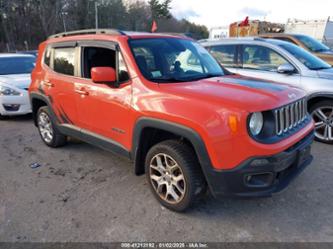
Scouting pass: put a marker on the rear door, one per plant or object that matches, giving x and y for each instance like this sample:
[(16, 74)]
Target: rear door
[(59, 82), (262, 62)]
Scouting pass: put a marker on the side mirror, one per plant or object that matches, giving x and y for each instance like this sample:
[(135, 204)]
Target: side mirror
[(102, 75), (286, 69)]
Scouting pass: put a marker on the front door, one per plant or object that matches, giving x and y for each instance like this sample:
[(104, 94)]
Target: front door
[(103, 108), (263, 62)]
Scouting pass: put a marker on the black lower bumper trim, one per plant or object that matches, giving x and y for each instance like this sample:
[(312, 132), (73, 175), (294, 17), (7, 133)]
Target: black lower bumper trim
[(262, 176)]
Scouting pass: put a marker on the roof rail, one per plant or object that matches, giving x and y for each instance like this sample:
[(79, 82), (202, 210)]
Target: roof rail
[(87, 32)]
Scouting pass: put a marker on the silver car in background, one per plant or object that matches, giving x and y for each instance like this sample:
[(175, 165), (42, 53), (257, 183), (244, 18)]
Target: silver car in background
[(285, 62)]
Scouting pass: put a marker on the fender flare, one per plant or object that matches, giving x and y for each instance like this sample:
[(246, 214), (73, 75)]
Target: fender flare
[(320, 94), (177, 129), (45, 99)]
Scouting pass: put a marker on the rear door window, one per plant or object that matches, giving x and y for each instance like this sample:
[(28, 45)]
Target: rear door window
[(225, 54), (64, 60)]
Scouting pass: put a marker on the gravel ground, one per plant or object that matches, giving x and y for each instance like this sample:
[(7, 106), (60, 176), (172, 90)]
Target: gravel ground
[(82, 193)]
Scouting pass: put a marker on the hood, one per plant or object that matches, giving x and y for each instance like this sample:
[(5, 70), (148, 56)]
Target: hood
[(21, 81), (326, 73), (237, 91)]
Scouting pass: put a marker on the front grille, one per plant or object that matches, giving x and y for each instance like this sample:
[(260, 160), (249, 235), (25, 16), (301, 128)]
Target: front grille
[(11, 107), (289, 117)]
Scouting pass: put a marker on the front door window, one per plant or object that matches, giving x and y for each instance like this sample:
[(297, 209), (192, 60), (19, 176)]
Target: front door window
[(261, 58)]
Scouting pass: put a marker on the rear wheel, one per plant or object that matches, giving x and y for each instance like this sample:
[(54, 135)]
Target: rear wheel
[(322, 114), (174, 175), (48, 131)]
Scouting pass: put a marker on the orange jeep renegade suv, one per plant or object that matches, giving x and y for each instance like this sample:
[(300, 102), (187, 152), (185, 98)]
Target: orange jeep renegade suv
[(166, 104)]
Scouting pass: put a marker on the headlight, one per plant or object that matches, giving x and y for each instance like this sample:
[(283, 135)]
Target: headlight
[(256, 123), (7, 91)]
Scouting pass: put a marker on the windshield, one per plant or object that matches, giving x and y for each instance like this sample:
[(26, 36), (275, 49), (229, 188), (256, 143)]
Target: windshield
[(312, 44), (16, 65), (173, 60), (310, 61)]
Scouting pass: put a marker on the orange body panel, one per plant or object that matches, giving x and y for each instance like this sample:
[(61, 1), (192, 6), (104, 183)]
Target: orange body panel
[(205, 106)]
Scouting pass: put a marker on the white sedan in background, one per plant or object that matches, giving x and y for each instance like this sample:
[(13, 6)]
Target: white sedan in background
[(15, 70)]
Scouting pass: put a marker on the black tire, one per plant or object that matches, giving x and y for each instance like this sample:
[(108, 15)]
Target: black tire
[(3, 117), (58, 139), (327, 107), (194, 181)]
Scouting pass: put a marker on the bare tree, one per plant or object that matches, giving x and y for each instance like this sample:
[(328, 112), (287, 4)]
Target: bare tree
[(26, 23)]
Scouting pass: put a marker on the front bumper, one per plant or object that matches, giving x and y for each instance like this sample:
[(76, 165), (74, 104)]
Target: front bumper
[(15, 105), (262, 176)]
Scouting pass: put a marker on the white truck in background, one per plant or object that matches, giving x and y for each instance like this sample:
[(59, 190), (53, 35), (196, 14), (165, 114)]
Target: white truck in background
[(217, 33)]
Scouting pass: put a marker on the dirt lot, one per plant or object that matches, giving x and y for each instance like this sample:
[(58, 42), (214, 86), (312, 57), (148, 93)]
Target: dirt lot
[(82, 193)]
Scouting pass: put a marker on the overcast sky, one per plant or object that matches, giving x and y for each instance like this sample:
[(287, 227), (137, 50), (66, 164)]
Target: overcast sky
[(214, 13)]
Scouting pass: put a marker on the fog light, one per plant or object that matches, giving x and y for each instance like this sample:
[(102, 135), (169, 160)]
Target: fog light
[(259, 162), (259, 180)]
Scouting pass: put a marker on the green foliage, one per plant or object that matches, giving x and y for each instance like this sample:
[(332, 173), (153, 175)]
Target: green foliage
[(160, 10)]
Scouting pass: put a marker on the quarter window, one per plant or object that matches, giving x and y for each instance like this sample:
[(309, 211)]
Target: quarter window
[(47, 56), (261, 58), (64, 60), (122, 71), (225, 54)]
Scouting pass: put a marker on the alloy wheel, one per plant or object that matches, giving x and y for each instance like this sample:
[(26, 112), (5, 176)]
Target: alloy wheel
[(45, 127), (167, 178), (323, 117)]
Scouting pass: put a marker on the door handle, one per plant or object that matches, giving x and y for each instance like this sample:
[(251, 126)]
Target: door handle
[(82, 92), (47, 83)]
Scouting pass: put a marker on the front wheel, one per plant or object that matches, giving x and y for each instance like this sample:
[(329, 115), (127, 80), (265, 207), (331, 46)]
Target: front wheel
[(174, 175), (322, 114), (48, 131)]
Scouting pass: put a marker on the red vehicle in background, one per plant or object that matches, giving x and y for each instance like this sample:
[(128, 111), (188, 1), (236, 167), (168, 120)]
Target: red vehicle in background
[(166, 104)]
